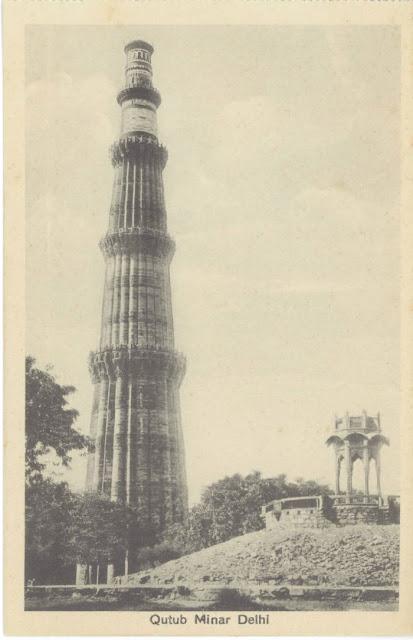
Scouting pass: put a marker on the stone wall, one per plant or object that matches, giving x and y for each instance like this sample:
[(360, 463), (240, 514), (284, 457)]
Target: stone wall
[(266, 596), (323, 511), (354, 514), (304, 518)]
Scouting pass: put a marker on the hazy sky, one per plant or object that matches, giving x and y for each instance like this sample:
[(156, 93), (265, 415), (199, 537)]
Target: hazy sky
[(282, 191)]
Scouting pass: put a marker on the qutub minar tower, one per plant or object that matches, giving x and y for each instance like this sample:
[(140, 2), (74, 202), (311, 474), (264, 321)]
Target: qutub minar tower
[(136, 372)]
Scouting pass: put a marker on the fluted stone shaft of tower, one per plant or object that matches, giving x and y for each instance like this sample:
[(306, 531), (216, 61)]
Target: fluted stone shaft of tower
[(136, 420)]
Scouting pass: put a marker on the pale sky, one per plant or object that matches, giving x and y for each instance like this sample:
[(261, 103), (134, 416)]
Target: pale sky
[(282, 192)]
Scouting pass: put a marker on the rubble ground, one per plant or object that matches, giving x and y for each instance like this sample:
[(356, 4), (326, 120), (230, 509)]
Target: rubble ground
[(362, 555)]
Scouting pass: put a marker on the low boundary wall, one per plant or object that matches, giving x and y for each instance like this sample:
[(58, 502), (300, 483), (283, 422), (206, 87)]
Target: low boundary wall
[(261, 590)]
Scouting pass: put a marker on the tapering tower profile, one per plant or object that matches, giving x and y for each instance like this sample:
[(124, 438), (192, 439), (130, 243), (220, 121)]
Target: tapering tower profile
[(136, 371)]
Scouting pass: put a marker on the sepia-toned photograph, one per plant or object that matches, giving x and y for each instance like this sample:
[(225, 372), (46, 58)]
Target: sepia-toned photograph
[(212, 274)]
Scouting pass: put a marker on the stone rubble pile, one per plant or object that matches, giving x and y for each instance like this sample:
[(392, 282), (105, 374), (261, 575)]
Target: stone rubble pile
[(363, 555)]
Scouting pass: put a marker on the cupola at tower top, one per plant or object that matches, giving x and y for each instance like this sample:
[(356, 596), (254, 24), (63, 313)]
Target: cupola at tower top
[(139, 44)]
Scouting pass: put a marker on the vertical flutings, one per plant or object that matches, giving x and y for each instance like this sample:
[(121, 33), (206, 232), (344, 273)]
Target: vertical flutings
[(118, 489), (100, 433)]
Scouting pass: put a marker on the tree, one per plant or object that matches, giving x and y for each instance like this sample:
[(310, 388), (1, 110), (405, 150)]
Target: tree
[(49, 508), (49, 423), (99, 530), (232, 507), (64, 528), (148, 557)]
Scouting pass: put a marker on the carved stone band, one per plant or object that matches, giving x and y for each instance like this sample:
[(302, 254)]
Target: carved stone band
[(136, 361), (138, 240), (138, 146), (147, 93)]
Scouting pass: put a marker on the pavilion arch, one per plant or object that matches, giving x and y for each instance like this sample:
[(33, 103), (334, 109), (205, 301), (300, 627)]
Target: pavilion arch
[(360, 470)]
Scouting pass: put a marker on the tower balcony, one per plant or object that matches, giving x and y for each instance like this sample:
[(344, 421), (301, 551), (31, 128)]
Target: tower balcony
[(137, 146), (136, 360), (143, 240), (142, 91)]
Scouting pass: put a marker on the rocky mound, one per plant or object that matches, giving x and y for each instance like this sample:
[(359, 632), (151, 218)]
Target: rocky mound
[(362, 555)]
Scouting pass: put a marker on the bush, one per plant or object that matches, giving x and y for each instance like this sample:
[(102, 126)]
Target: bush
[(149, 557), (232, 600)]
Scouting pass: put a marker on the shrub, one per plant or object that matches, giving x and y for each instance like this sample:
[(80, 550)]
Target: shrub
[(149, 557)]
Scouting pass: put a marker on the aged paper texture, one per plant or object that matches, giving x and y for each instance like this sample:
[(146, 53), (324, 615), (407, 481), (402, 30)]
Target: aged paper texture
[(208, 299)]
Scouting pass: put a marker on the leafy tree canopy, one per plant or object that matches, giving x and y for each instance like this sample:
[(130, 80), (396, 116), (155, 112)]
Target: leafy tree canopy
[(49, 422), (99, 530), (232, 506), (63, 528), (49, 508)]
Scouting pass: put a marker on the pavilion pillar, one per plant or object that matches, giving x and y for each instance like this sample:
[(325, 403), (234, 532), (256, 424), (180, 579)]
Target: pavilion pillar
[(349, 470), (338, 465), (366, 463), (378, 475)]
